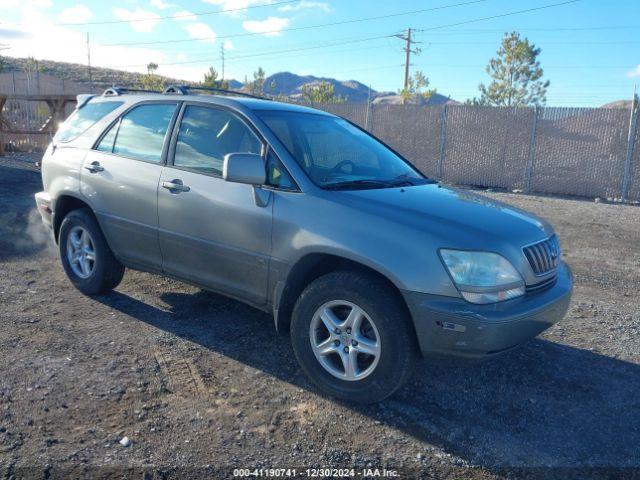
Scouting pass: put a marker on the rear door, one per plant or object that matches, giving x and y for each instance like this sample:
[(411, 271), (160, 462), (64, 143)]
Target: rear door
[(211, 231), (120, 178)]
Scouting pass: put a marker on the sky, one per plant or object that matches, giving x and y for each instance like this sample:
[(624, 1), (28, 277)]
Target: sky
[(590, 48)]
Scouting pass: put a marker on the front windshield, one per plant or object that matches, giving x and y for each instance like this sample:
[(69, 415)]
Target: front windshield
[(337, 155)]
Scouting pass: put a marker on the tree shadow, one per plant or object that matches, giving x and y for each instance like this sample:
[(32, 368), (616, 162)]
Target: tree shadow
[(544, 405)]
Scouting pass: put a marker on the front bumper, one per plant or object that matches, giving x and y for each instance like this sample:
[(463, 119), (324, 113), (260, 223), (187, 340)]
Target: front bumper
[(43, 202), (452, 326)]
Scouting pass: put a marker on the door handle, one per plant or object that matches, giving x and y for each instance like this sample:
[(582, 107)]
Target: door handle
[(94, 167), (175, 186)]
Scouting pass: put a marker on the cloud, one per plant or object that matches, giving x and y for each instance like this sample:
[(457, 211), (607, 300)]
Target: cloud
[(306, 5), (634, 73), (11, 4), (38, 36), (271, 27), (237, 7), (160, 4), (76, 14), (10, 33), (201, 31), (140, 20), (184, 15), (41, 3), (228, 45)]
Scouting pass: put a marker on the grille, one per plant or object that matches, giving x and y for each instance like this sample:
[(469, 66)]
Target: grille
[(543, 256), (542, 286)]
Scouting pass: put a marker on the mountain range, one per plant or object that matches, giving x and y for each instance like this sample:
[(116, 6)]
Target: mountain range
[(282, 83)]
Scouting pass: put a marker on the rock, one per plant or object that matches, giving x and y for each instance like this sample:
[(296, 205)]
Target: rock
[(125, 441)]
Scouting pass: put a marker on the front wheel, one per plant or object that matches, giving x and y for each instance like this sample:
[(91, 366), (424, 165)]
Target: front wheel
[(352, 337)]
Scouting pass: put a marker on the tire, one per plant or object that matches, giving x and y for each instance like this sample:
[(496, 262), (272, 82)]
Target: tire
[(391, 337), (104, 272)]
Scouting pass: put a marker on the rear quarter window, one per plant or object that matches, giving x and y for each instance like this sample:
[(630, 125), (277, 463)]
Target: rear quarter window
[(80, 120)]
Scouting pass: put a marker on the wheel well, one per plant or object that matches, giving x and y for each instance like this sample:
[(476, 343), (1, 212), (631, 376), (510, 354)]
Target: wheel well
[(314, 266), (64, 205)]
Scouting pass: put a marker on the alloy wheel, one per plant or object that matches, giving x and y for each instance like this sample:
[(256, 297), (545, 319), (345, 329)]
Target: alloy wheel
[(81, 252), (345, 340)]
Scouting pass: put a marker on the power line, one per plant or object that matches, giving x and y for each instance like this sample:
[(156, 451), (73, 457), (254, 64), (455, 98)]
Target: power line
[(261, 54), (168, 17), (603, 67), (538, 29), (621, 42), (475, 20), (343, 22)]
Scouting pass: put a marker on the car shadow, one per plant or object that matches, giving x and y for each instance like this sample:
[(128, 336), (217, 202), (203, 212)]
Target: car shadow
[(543, 405)]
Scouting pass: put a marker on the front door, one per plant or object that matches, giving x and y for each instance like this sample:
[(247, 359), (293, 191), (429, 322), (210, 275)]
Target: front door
[(213, 232), (120, 179)]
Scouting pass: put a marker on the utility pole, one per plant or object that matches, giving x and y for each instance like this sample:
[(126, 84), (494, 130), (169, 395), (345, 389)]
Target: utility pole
[(408, 51), (3, 46), (89, 64), (222, 57)]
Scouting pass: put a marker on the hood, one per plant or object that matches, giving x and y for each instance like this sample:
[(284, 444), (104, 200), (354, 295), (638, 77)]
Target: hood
[(461, 218)]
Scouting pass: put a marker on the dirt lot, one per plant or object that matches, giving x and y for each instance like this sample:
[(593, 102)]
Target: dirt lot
[(201, 384)]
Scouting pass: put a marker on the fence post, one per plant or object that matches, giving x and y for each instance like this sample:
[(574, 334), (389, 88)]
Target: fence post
[(443, 139), (633, 125), (367, 118), (532, 151)]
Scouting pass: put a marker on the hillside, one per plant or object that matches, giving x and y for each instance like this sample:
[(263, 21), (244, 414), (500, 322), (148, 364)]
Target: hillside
[(279, 84), (102, 77), (290, 85)]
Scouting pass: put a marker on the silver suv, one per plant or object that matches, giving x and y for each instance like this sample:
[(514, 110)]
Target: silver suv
[(365, 261)]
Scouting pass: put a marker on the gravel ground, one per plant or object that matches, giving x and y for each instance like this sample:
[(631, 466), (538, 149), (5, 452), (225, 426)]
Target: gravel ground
[(200, 384)]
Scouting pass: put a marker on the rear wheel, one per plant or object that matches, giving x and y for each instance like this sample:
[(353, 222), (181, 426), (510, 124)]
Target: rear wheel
[(85, 255), (352, 337)]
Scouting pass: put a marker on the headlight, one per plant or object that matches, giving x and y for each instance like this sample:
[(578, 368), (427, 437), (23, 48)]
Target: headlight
[(483, 277)]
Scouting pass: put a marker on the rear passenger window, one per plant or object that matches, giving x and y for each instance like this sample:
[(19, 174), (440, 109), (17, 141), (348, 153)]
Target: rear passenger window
[(106, 144), (141, 132), (80, 120), (206, 135)]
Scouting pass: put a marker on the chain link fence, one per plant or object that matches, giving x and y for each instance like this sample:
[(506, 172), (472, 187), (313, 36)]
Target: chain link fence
[(592, 152)]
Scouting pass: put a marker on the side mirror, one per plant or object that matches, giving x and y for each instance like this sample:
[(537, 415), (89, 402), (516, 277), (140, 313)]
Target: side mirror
[(244, 168)]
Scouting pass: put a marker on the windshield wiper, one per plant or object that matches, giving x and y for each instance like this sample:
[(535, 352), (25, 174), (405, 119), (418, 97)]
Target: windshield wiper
[(363, 183), (406, 180)]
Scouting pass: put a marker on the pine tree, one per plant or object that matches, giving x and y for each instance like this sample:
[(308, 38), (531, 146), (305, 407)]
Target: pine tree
[(256, 86), (516, 75), (322, 92), (211, 80), (151, 81), (418, 88)]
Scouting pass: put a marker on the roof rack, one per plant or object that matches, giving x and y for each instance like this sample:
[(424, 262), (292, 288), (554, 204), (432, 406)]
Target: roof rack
[(115, 91), (184, 90)]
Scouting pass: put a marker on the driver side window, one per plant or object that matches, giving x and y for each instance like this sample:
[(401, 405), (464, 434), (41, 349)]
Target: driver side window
[(207, 134)]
